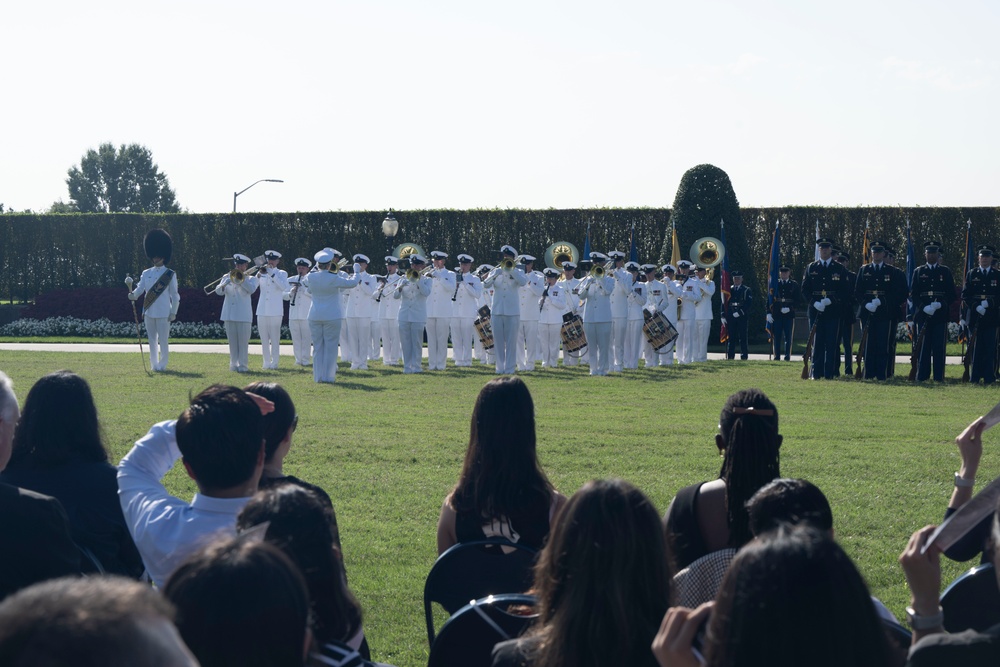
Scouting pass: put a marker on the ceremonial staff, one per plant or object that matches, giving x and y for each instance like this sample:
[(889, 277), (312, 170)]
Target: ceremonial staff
[(138, 333)]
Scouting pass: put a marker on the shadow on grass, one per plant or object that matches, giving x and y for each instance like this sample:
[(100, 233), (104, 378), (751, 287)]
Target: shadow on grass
[(179, 374), (358, 386)]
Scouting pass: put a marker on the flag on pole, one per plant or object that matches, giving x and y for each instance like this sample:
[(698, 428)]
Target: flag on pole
[(816, 248), (911, 264), (865, 245), (675, 251), (725, 282), (772, 274), (586, 243), (970, 261), (633, 252)]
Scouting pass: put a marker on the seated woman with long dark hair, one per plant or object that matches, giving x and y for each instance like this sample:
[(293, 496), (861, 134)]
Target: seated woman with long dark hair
[(58, 450), (602, 581), (502, 491), (710, 516)]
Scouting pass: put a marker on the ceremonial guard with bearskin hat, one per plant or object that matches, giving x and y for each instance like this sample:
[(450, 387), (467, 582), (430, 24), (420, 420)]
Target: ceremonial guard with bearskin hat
[(156, 282)]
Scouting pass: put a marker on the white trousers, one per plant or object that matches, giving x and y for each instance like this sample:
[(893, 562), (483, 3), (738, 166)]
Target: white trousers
[(462, 335), (704, 327), (158, 331), (685, 335), (618, 329), (633, 343), (527, 345), (411, 342), (269, 328), (548, 341), (238, 334), (599, 345), (390, 342), (376, 349), (301, 341), (505, 329), (326, 337), (345, 345), (437, 342), (360, 340)]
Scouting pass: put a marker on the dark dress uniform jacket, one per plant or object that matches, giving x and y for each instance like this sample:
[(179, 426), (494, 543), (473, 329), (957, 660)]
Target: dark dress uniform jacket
[(786, 295), (888, 284), (929, 285), (739, 301), (978, 286), (832, 282)]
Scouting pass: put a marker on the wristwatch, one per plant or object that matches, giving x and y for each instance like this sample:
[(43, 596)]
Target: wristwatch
[(964, 483), (918, 622)]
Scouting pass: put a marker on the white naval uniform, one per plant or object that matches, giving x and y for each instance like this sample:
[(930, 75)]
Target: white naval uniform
[(527, 335), (552, 306), (686, 328), (360, 308), (657, 297), (619, 316), (412, 318), (478, 353), (506, 315), (389, 321), (157, 316), (237, 316), (596, 296), (633, 328), (703, 319), (298, 321), (326, 318), (270, 310), (464, 308), (572, 298), (439, 314)]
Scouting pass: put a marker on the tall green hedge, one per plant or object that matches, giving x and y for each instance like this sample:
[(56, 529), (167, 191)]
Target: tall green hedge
[(43, 252)]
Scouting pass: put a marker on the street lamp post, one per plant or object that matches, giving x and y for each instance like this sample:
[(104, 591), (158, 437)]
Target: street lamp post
[(263, 180), (389, 227)]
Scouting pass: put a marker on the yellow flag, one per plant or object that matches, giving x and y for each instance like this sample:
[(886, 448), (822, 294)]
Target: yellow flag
[(864, 247), (675, 252)]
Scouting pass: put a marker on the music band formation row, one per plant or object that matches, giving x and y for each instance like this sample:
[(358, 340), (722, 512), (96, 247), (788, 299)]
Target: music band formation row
[(512, 316)]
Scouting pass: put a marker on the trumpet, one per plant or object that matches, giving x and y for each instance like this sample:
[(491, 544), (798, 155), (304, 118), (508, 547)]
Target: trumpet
[(235, 276), (507, 264), (413, 275), (598, 271)]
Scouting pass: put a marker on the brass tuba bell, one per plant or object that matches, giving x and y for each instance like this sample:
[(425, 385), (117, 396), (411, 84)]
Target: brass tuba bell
[(707, 252), (559, 252)]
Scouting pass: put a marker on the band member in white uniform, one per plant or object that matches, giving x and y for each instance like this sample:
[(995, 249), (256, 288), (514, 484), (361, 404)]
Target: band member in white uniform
[(360, 308), (506, 310), (686, 328), (345, 300), (159, 308), (619, 309), (237, 313), (670, 310), (633, 329), (326, 317), (485, 299), (551, 307), (527, 334), (413, 293), (571, 295), (439, 312), (596, 296), (389, 312), (703, 314), (656, 301), (299, 302), (273, 283), (465, 303)]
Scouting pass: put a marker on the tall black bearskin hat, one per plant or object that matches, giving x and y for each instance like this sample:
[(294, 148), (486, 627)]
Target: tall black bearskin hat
[(158, 243)]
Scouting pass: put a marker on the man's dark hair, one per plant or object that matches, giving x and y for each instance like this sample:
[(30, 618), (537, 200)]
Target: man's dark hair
[(220, 436), (791, 502), (92, 622)]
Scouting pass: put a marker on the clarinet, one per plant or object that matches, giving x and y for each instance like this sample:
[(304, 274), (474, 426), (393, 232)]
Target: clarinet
[(541, 304), (458, 283), (381, 289), (295, 291)]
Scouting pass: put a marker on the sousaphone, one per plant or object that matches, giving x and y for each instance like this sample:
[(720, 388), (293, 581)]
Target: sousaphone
[(559, 252), (707, 252), (404, 250)]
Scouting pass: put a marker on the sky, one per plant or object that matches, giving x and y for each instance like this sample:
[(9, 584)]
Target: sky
[(525, 104)]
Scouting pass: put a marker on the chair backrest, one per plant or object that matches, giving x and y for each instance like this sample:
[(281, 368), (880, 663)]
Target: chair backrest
[(972, 602), (472, 570), (469, 636)]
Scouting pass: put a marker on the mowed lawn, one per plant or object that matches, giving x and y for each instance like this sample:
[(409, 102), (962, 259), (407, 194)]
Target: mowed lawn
[(388, 447)]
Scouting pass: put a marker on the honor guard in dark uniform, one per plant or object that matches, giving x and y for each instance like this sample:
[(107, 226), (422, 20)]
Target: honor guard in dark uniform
[(932, 291), (845, 345), (825, 287), (737, 309), (782, 315), (981, 295), (879, 289), (900, 314)]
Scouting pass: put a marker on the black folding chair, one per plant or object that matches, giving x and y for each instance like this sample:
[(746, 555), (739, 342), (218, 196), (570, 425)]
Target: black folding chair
[(472, 570), (972, 602), (469, 636)]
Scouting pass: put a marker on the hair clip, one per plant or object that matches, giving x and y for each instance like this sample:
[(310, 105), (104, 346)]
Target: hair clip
[(753, 411)]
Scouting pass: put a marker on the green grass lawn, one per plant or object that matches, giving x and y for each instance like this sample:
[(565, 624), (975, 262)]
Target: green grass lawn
[(388, 447)]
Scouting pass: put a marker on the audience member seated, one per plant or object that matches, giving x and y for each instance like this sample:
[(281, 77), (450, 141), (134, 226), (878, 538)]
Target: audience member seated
[(58, 451), (242, 602), (279, 426), (792, 597), (90, 622), (219, 436), (502, 491), (602, 582), (976, 541), (932, 646), (36, 542), (710, 516), (296, 521)]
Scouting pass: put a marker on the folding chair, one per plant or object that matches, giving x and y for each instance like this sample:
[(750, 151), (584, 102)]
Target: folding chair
[(469, 636), (972, 602), (472, 570)]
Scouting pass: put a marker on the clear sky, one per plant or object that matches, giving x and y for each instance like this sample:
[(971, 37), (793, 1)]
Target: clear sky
[(456, 104)]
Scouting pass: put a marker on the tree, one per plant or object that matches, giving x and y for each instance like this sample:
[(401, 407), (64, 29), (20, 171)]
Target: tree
[(60, 206), (125, 180)]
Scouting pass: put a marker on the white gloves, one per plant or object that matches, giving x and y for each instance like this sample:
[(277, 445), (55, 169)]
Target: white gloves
[(819, 305), (723, 320), (826, 301), (930, 309), (132, 296), (985, 304), (128, 281), (962, 323), (357, 268), (981, 310), (770, 319), (877, 301), (871, 307), (785, 311), (172, 317), (735, 315)]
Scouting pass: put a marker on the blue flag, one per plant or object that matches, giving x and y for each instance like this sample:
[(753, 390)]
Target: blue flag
[(586, 245), (633, 252), (772, 274), (911, 264)]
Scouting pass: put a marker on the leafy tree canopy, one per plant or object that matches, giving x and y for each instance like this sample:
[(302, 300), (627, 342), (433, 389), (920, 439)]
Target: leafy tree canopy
[(123, 180)]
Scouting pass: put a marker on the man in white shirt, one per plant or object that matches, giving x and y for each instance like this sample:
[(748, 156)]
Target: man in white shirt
[(439, 312), (703, 315), (389, 312), (360, 308), (160, 306), (237, 313), (619, 309), (220, 440), (690, 290), (299, 301), (465, 304), (527, 334), (505, 281), (270, 309), (412, 293)]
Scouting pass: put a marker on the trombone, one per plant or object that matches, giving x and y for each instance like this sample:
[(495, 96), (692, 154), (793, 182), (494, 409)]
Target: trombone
[(236, 276)]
